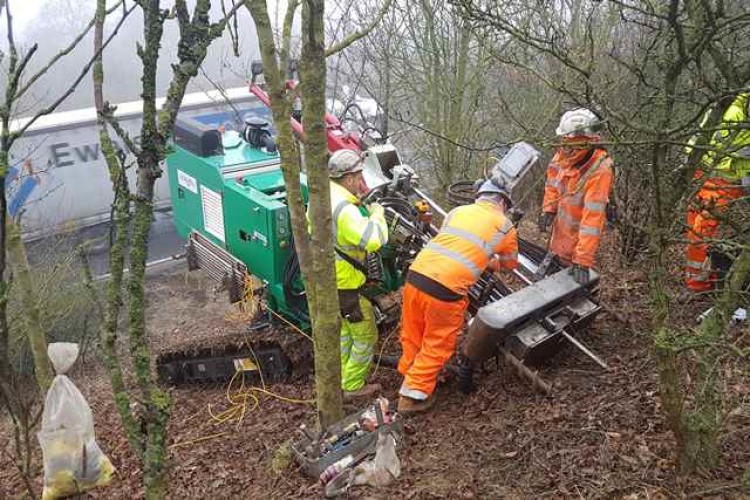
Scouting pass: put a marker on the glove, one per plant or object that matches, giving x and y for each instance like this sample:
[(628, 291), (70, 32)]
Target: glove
[(545, 219), (580, 274), (375, 209), (494, 263), (516, 214)]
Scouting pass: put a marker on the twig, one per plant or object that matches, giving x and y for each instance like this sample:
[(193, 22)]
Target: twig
[(717, 489), (67, 50), (49, 109)]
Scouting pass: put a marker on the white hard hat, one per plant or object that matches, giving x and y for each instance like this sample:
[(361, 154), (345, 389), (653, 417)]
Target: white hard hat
[(344, 161), (491, 186), (579, 121)]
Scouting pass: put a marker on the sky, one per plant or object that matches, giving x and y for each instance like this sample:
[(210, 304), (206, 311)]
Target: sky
[(24, 13), (53, 24)]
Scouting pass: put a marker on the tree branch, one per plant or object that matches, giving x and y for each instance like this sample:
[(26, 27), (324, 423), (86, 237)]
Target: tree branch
[(49, 109), (357, 35), (64, 52)]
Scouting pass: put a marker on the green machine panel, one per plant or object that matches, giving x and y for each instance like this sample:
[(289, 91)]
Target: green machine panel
[(234, 195), (202, 163), (257, 225)]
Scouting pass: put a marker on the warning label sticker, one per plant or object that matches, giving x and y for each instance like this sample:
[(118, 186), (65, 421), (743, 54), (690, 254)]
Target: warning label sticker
[(245, 365)]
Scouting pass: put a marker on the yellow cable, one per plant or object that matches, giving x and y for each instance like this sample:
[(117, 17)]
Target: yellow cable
[(198, 440), (294, 327), (238, 401)]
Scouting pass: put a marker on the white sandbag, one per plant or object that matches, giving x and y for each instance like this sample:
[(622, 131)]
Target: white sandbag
[(73, 462)]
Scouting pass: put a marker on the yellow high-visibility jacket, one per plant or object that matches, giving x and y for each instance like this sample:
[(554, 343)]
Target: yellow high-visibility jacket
[(354, 234), (729, 156)]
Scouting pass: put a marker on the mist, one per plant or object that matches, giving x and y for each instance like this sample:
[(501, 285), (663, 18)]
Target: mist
[(53, 24)]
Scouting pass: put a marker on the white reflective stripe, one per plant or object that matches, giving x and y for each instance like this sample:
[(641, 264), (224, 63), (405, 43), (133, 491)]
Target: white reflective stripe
[(507, 226), (568, 219), (336, 214), (382, 237), (697, 276), (361, 346), (339, 208), (362, 352), (591, 231), (435, 247), (360, 358), (508, 256), (743, 153), (412, 393), (693, 264), (366, 235), (554, 183), (594, 206), (472, 238), (486, 246), (575, 199), (447, 220), (498, 236)]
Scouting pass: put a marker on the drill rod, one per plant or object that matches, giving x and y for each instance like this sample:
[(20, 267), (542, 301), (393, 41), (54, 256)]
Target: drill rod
[(584, 349), (526, 373)]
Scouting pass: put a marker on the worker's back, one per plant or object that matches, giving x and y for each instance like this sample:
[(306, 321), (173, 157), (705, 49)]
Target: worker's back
[(470, 235)]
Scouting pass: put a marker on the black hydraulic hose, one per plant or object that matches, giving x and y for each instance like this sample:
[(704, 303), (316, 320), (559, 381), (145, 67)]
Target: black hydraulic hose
[(297, 301), (461, 193)]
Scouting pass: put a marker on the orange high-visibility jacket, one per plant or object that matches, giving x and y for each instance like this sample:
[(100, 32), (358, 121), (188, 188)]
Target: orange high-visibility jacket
[(579, 196), (461, 251)]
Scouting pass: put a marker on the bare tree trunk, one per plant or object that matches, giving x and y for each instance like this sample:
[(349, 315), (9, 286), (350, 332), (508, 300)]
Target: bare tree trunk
[(281, 110), (323, 299), (702, 423), (315, 250), (146, 430), (34, 331), (119, 229)]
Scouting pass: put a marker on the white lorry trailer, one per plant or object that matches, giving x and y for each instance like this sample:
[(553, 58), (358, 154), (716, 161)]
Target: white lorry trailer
[(58, 179)]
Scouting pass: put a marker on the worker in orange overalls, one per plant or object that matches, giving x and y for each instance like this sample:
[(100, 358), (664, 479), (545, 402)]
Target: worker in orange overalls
[(435, 296), (579, 179), (725, 170)]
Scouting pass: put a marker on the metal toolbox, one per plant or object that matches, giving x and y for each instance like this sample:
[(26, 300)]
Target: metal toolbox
[(310, 454)]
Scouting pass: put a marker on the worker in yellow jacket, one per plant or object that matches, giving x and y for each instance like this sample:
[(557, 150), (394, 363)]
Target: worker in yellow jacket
[(357, 231), (724, 177)]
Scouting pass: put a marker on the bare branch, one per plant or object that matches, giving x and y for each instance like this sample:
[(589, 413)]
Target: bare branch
[(108, 115), (49, 109), (357, 35), (64, 52), (286, 32)]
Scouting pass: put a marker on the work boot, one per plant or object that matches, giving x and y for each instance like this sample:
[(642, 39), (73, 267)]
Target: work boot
[(408, 406), (366, 391)]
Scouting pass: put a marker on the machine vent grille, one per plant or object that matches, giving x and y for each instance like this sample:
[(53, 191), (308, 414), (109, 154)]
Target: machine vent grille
[(213, 213)]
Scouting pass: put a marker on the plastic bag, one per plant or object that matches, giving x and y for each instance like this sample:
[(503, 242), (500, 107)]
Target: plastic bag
[(384, 468), (380, 471), (73, 461)]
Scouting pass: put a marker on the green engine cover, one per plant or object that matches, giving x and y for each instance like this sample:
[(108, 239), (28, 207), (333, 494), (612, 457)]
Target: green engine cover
[(234, 195)]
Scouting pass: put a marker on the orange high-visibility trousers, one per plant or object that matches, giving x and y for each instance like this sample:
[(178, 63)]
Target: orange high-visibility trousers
[(715, 193), (429, 331)]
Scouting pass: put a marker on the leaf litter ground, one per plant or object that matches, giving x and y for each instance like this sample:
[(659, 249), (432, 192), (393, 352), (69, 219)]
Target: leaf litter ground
[(600, 436)]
